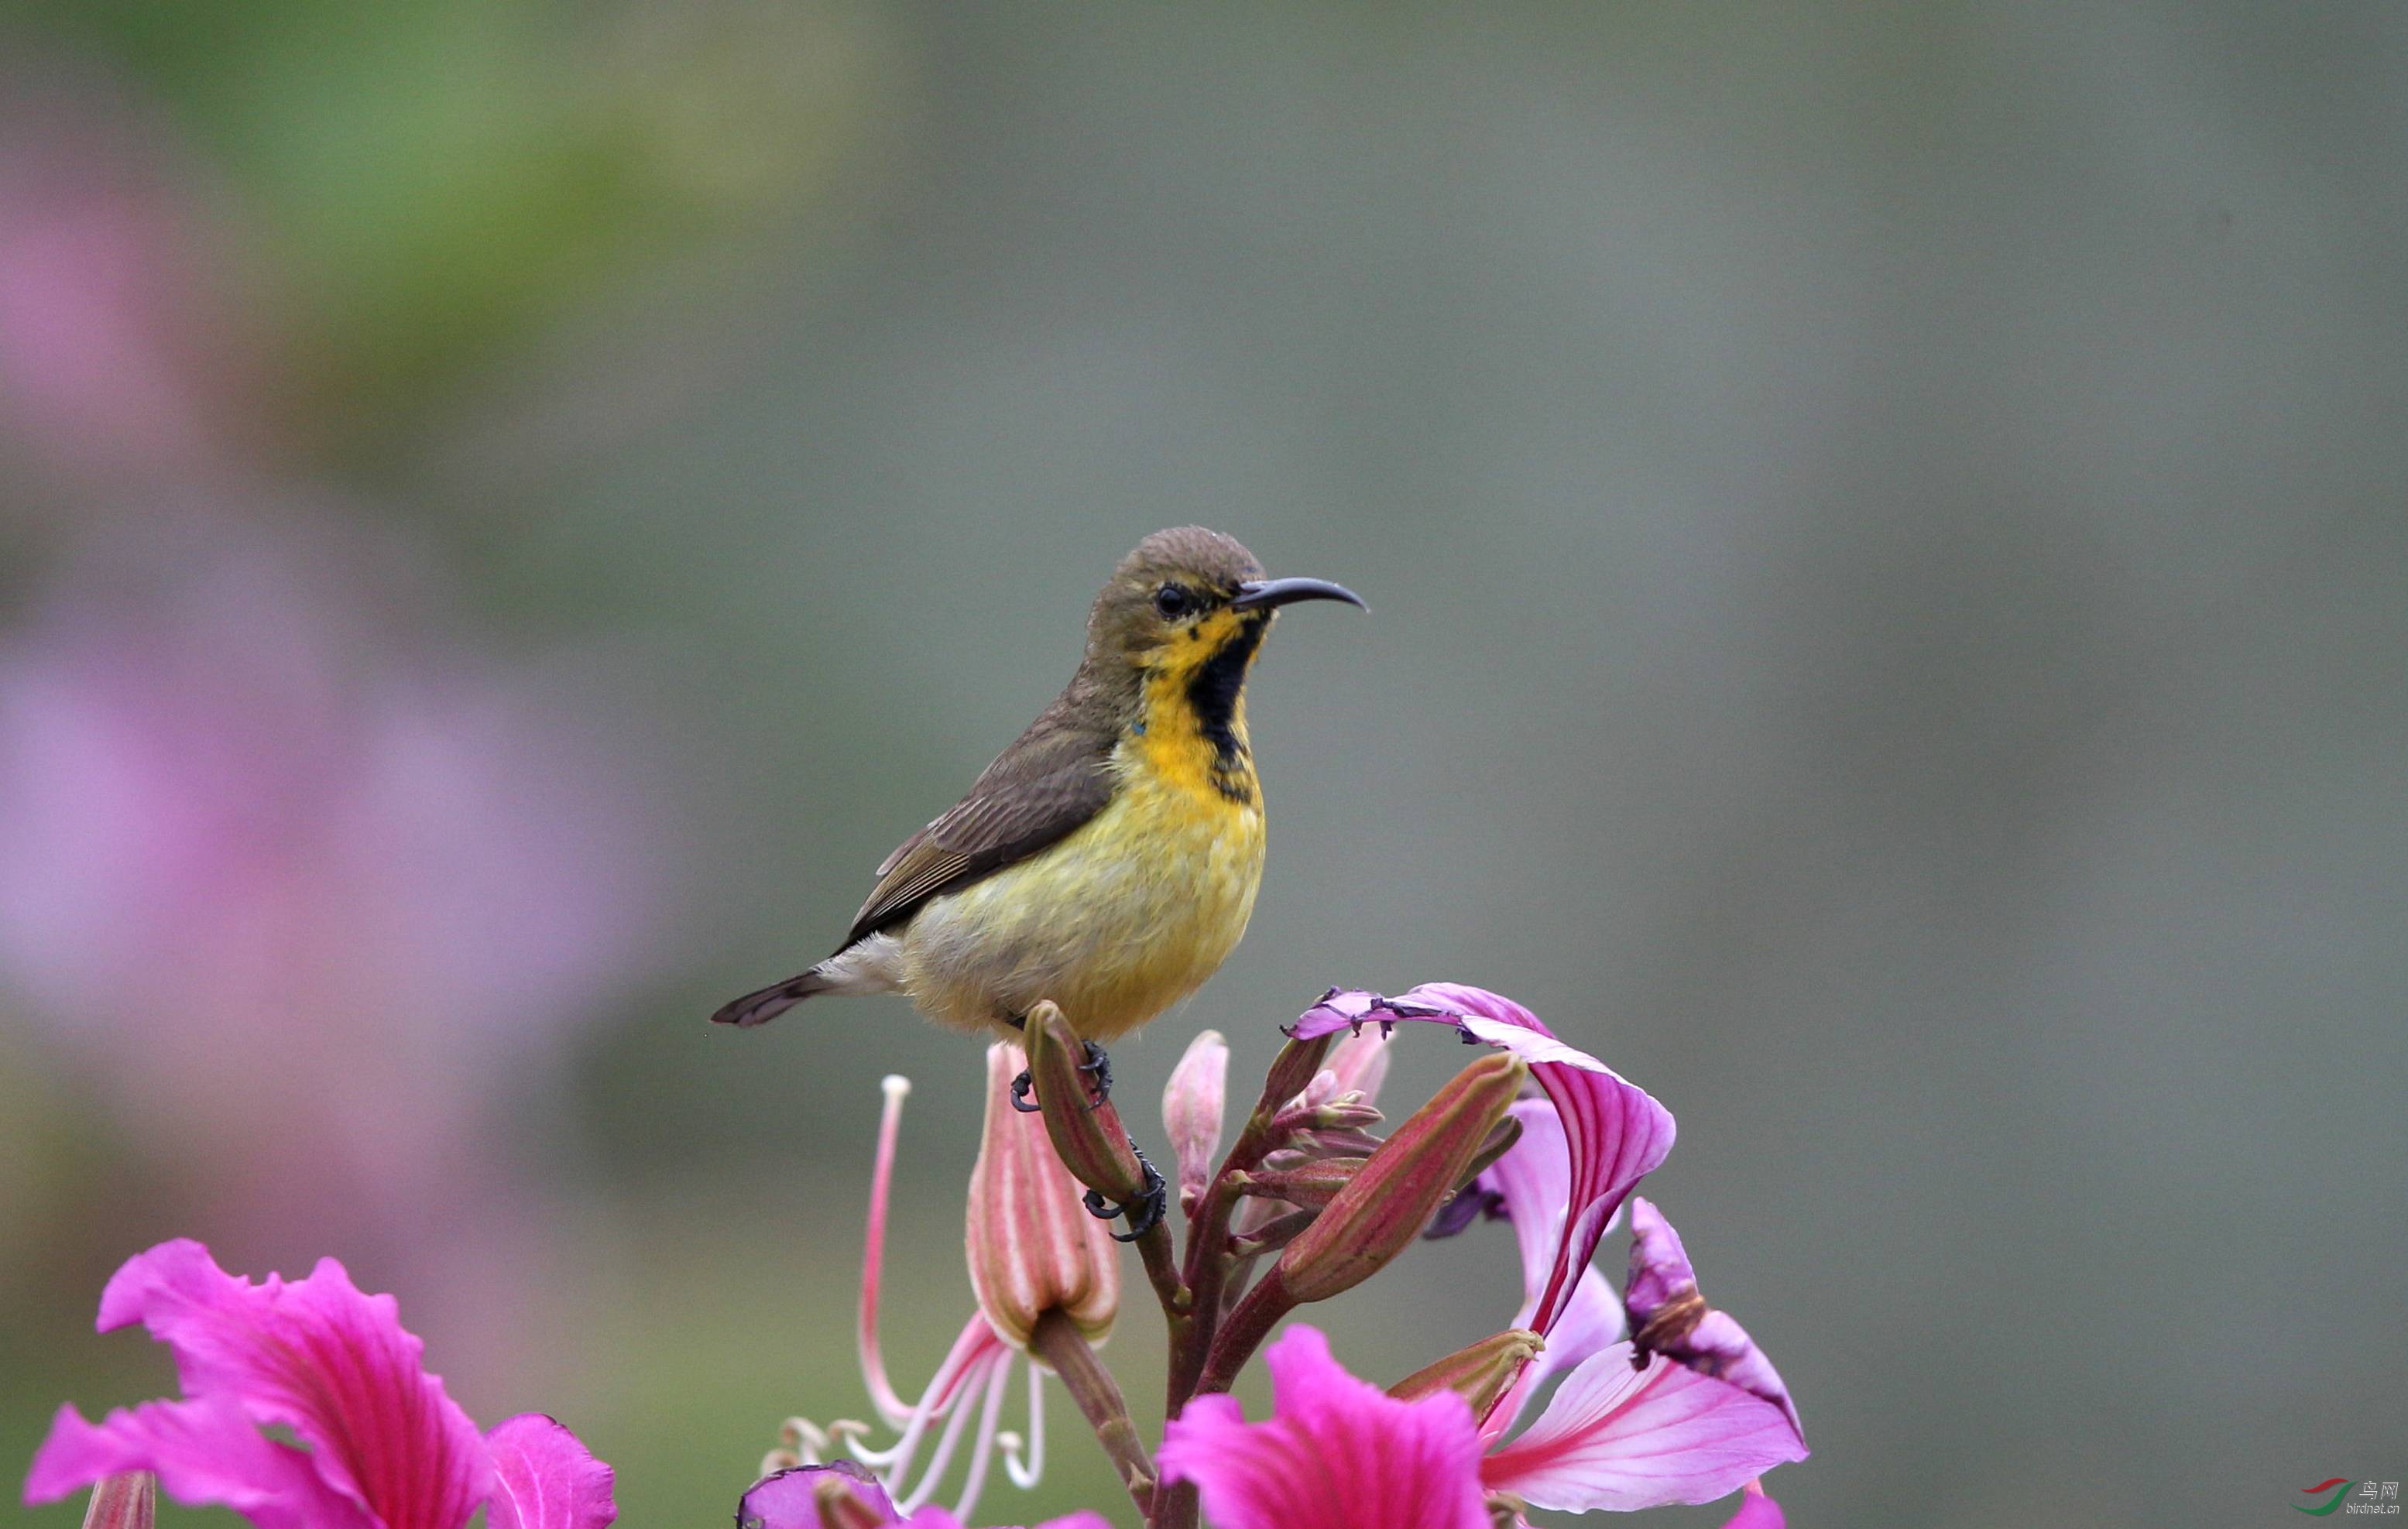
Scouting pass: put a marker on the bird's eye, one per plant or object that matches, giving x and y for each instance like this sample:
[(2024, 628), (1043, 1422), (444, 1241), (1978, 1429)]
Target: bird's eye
[(1173, 600)]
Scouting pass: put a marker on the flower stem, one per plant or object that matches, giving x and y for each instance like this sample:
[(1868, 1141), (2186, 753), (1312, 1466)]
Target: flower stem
[(1056, 1340), (1250, 1324), (1210, 1262)]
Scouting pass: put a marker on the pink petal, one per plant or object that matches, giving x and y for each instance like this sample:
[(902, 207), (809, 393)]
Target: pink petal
[(317, 1356), (1756, 1510), (1716, 1345), (1591, 1322), (937, 1518), (1537, 1173), (788, 1499), (202, 1453), (1535, 1180), (1616, 1134), (1616, 1440), (544, 1478), (1337, 1453)]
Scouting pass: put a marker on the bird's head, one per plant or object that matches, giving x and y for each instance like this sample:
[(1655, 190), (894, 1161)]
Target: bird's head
[(1188, 596)]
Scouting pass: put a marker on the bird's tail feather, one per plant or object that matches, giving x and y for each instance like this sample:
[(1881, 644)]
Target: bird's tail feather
[(767, 1005)]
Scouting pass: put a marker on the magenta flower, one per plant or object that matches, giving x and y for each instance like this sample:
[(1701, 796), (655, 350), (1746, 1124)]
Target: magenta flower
[(1338, 1453), (1536, 1177), (1615, 1134), (843, 1496), (387, 1448), (1669, 1316), (1692, 1412)]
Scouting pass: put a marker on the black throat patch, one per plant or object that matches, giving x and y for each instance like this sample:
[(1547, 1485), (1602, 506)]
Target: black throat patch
[(1212, 692)]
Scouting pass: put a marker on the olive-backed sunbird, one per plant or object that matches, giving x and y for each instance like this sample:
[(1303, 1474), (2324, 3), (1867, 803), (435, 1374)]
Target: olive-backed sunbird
[(1108, 860)]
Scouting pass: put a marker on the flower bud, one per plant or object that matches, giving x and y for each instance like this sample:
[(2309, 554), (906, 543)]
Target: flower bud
[(1480, 1373), (1499, 1142), (1385, 1205), (1291, 1072), (1191, 1106), (1032, 1246), (837, 1495), (1312, 1183), (1090, 1140), (128, 1500), (1360, 1062)]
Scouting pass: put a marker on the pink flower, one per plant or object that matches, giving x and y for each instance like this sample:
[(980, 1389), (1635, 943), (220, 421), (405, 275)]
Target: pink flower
[(843, 1496), (1686, 1413), (1054, 1259), (248, 781), (1337, 1452), (1616, 1134), (1033, 1247), (387, 1448), (1694, 1416)]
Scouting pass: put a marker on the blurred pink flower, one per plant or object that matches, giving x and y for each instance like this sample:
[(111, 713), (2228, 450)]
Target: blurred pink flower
[(387, 1447), (308, 891), (119, 348)]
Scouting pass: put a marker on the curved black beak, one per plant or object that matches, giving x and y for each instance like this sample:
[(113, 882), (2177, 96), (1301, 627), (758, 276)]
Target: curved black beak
[(1264, 594)]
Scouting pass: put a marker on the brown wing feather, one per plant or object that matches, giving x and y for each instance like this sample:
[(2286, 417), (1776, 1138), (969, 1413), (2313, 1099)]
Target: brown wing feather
[(1056, 777)]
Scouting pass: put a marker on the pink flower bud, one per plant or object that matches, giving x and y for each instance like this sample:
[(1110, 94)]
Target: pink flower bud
[(1360, 1062), (1191, 1111), (128, 1500), (1090, 1141), (1312, 1183), (1383, 1207), (1032, 1245)]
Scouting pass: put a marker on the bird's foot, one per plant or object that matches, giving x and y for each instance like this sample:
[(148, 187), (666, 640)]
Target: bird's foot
[(1019, 1088), (1145, 1213), (1099, 1066)]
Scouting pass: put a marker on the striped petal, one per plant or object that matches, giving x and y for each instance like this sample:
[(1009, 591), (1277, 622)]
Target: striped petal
[(321, 1358), (1615, 1438), (1614, 1132), (205, 1454), (544, 1478)]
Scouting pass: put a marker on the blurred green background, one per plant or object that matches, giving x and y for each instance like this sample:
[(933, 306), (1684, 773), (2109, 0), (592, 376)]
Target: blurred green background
[(1884, 531)]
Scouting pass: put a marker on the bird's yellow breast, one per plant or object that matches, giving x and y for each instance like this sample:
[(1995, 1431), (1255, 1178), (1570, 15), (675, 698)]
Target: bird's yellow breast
[(1122, 919)]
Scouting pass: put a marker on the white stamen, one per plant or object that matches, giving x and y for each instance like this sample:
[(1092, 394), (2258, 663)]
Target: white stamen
[(969, 1352), (1028, 1472), (983, 1451), (907, 1503)]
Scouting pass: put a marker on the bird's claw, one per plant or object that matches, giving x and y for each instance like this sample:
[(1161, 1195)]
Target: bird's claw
[(1145, 1213), (1100, 1066)]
